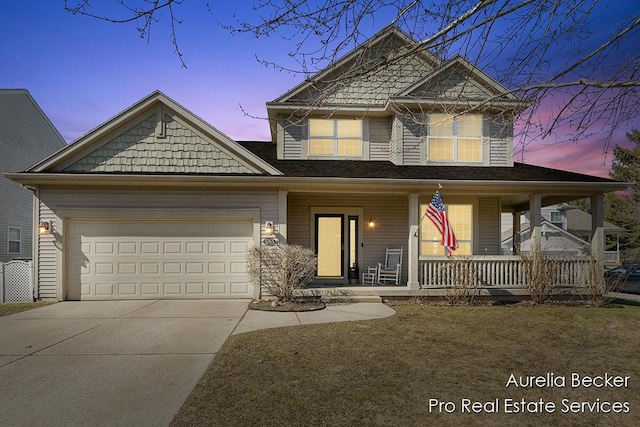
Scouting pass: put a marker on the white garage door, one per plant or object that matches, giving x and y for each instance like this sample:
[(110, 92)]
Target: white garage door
[(138, 259)]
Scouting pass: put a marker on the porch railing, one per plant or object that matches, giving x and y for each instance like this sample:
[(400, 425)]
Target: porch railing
[(611, 257), (503, 271)]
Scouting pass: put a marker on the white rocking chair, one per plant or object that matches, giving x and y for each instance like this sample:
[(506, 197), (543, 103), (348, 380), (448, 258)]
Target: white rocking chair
[(389, 272)]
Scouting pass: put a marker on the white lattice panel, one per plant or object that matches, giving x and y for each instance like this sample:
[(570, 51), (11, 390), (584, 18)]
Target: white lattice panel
[(18, 281)]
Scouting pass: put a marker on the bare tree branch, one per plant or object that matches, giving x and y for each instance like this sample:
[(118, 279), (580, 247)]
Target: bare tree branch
[(576, 51)]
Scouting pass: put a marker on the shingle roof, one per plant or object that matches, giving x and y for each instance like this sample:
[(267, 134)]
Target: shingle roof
[(384, 169)]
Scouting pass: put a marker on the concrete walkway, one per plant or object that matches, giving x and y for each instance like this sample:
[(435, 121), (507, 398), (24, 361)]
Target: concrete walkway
[(125, 363), (256, 319)]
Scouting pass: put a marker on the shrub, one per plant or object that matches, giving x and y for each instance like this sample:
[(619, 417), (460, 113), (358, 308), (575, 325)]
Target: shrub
[(281, 270), (463, 278), (541, 273)]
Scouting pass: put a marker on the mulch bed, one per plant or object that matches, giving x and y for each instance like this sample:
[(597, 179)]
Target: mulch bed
[(299, 304)]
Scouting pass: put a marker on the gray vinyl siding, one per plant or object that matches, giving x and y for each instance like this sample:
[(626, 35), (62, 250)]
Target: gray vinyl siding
[(396, 133), (498, 132), (499, 152), (390, 213), (488, 226), (379, 137), (26, 137), (412, 142), (52, 200), (48, 249), (292, 141)]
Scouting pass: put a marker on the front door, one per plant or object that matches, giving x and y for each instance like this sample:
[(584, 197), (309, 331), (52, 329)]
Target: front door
[(338, 240)]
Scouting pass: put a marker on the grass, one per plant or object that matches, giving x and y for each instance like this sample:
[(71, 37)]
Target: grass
[(17, 307), (384, 372)]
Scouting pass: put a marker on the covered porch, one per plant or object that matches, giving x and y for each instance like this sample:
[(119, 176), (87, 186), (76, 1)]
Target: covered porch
[(368, 222)]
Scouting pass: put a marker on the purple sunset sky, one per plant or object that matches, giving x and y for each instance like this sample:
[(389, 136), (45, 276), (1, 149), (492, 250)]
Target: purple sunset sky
[(83, 71)]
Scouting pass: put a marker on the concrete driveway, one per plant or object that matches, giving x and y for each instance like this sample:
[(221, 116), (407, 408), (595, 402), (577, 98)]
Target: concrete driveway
[(124, 363)]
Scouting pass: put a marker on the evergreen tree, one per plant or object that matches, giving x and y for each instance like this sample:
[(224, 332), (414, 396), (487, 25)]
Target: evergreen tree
[(623, 209)]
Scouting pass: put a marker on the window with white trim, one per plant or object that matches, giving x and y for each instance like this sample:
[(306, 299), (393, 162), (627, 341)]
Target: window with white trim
[(557, 218), (14, 240), (335, 137), (455, 138), (461, 220)]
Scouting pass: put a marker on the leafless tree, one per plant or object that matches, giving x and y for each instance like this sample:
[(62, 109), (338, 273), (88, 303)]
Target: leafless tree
[(579, 58)]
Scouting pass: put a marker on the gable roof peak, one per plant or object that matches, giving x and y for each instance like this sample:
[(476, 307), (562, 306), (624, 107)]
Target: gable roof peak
[(155, 105), (387, 34)]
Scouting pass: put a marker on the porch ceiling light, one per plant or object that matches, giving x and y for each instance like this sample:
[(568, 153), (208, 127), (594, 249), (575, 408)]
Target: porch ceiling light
[(372, 222), (45, 227)]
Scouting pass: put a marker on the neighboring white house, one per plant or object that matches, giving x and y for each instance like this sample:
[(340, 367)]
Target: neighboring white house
[(157, 203), (566, 231), (26, 137)]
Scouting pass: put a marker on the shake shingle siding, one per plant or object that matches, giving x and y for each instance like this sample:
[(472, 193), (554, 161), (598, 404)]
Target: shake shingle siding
[(180, 150)]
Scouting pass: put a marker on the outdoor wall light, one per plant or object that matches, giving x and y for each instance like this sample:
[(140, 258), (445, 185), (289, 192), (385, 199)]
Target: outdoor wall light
[(372, 222), (268, 228), (45, 227)]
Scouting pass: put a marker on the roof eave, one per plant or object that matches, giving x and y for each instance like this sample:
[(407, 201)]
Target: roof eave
[(315, 183)]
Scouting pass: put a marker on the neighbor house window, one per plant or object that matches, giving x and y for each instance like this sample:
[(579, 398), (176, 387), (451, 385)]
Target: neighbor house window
[(461, 219), (556, 218), (455, 138), (335, 137), (14, 240)]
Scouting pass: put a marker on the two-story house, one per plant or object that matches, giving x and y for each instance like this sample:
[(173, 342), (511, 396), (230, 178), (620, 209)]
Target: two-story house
[(26, 136), (157, 203)]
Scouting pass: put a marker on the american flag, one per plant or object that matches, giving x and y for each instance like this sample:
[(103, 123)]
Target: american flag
[(436, 213)]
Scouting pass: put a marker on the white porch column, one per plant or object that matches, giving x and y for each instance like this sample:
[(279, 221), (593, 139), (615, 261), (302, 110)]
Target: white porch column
[(413, 262), (517, 229), (597, 227), (282, 216), (535, 214)]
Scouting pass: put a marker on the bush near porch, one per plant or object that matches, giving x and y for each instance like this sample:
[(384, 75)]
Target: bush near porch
[(383, 372)]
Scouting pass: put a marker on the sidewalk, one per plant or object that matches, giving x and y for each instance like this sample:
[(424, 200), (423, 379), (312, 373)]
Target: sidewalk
[(625, 296), (256, 319)]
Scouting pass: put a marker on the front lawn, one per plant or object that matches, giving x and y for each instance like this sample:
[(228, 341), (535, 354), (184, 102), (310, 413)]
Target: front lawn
[(387, 371), (16, 307)]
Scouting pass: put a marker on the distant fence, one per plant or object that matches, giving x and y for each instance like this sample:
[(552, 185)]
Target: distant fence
[(16, 281)]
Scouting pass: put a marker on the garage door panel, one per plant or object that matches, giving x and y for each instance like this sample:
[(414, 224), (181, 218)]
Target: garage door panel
[(131, 259)]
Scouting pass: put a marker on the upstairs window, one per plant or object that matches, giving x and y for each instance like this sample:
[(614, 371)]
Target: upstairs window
[(455, 138), (335, 137), (14, 240)]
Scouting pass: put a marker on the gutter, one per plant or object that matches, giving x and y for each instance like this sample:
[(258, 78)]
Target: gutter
[(321, 183)]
